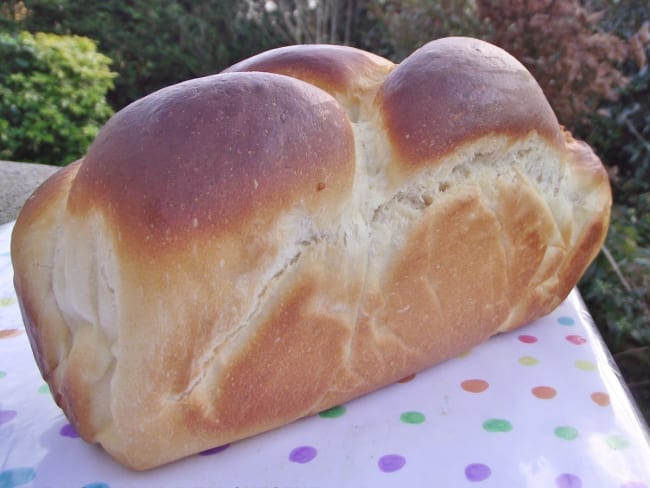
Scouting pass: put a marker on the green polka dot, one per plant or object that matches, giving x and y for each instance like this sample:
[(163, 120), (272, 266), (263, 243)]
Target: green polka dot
[(2, 374), (566, 433), (7, 301), (44, 389), (333, 412), (412, 417), (528, 361), (465, 354), (617, 442), (585, 365), (497, 425)]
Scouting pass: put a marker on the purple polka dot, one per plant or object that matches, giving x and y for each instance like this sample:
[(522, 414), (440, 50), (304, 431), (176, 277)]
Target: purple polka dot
[(68, 431), (391, 462), (302, 454), (214, 450), (568, 480), (7, 416), (477, 472)]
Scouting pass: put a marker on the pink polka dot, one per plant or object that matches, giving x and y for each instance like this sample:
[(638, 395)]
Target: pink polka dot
[(576, 339), (527, 339), (407, 379)]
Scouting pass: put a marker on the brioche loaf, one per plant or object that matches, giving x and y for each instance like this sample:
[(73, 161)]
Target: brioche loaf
[(241, 250)]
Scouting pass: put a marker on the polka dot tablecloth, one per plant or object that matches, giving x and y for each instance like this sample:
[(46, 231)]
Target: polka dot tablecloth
[(541, 406)]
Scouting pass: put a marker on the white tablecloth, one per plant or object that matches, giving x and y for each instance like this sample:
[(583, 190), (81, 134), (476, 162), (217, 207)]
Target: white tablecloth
[(542, 406)]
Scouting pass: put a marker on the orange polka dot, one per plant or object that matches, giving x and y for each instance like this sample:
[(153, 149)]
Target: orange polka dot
[(601, 399), (408, 378), (7, 333), (544, 392), (474, 386)]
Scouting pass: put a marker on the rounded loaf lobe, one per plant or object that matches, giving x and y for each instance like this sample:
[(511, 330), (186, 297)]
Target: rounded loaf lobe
[(455, 90), (208, 154), (335, 69)]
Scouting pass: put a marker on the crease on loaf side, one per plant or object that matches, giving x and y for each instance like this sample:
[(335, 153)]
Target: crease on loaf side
[(242, 250)]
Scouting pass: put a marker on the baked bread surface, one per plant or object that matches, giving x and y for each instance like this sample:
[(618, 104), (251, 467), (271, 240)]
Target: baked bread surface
[(245, 249)]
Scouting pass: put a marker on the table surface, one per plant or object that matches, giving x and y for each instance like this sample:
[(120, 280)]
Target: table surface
[(542, 406)]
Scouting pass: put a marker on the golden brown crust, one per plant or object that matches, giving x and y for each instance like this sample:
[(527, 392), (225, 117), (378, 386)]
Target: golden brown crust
[(457, 89), (335, 69), (39, 219), (202, 128), (242, 250)]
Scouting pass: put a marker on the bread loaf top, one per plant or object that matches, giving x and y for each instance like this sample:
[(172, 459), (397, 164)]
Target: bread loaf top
[(244, 249), (213, 153)]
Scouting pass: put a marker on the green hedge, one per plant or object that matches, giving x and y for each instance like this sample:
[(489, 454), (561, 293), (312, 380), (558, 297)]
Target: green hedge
[(52, 96), (153, 44)]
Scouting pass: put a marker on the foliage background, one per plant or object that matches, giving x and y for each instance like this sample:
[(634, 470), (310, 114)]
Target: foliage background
[(589, 56), (52, 96)]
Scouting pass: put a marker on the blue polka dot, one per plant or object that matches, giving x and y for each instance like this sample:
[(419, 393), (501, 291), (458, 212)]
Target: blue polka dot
[(566, 321), (97, 484), (16, 477)]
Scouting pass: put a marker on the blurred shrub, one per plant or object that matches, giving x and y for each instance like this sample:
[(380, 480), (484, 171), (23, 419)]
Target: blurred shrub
[(309, 22), (616, 288), (153, 44), (400, 27), (52, 96), (573, 58), (620, 133)]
